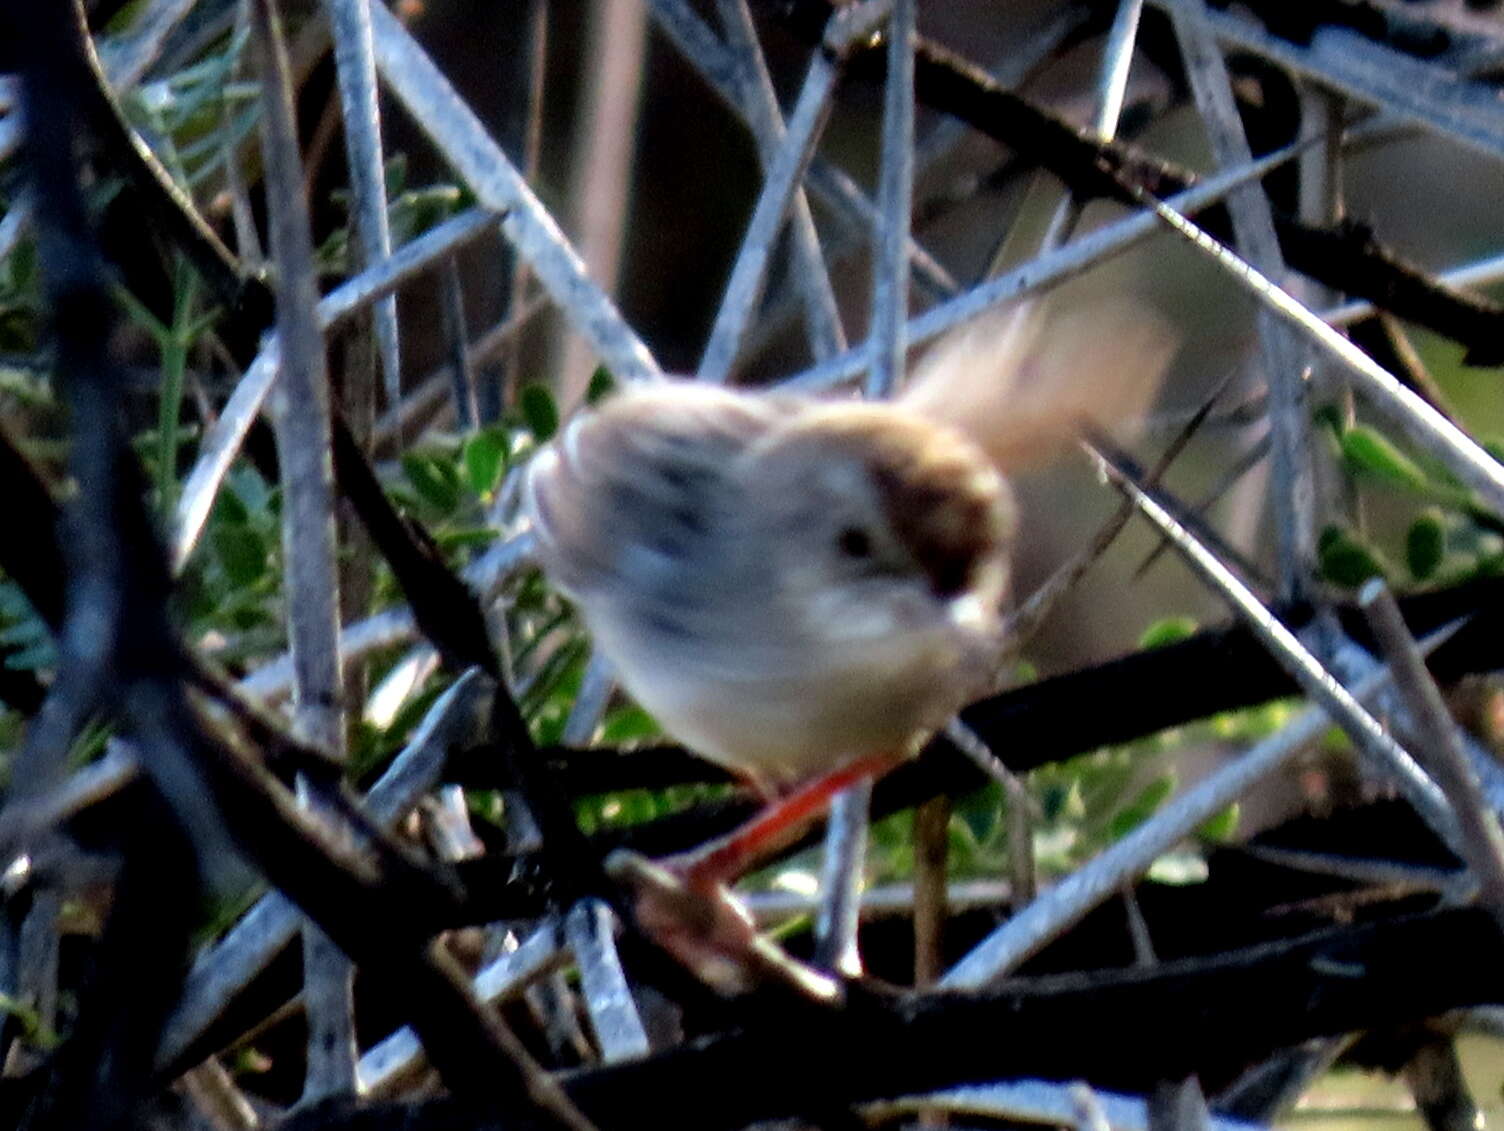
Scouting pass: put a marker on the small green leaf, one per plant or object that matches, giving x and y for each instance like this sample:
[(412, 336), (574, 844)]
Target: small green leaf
[(435, 480), (539, 411), (1426, 545), (485, 456), (601, 385), (228, 508), (1167, 630), (1345, 561), (30, 1021), (1142, 807), (1329, 417), (628, 724), (242, 553), (1368, 451), (417, 210), (1222, 827)]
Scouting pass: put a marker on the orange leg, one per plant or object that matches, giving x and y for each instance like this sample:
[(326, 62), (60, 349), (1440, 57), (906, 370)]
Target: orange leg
[(783, 820)]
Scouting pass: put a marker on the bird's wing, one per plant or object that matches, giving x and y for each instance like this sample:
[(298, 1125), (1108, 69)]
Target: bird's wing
[(627, 495)]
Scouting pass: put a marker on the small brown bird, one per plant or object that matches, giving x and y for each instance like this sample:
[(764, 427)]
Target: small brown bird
[(797, 587)]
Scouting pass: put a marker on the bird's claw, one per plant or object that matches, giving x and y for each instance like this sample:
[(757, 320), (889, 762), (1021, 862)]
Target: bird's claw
[(709, 931)]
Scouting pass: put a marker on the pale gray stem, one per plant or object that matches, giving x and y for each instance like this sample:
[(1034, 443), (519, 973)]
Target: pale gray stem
[(1384, 754), (589, 930), (463, 381), (1372, 73), (841, 877), (301, 419), (783, 172), (1043, 1102), (355, 70), (895, 195), (822, 317), (589, 707), (1065, 904), (479, 162), (1423, 424), (718, 67), (1040, 273), (213, 1092), (1439, 743), (1284, 359), (391, 1063), (458, 718), (1178, 1105), (223, 440)]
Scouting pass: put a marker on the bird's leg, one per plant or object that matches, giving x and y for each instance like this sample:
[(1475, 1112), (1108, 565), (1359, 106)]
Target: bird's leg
[(781, 821), (683, 901)]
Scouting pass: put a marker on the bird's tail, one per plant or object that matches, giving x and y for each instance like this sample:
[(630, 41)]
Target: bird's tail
[(1021, 381)]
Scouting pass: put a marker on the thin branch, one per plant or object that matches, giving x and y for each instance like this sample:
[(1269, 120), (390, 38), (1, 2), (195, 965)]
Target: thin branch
[(1064, 904), (1425, 426), (605, 137), (485, 169), (822, 317), (389, 1064), (455, 721), (716, 65), (355, 70), (1253, 222), (223, 440), (784, 165), (301, 418), (1036, 1102), (1047, 270), (589, 932), (890, 266), (1441, 746), (1356, 66), (1315, 680)]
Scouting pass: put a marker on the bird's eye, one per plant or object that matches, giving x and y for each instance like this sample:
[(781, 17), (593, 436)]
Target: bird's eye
[(855, 542)]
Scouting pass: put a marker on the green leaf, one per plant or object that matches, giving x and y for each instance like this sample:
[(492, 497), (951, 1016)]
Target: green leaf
[(31, 1022), (1368, 451), (1142, 807), (485, 456), (1345, 561), (241, 551), (1167, 630), (228, 508), (417, 210), (1426, 544), (1329, 417), (539, 411), (628, 724), (435, 479), (602, 384), (1222, 827)]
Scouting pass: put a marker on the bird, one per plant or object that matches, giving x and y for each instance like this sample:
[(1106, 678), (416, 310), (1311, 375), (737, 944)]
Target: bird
[(800, 588)]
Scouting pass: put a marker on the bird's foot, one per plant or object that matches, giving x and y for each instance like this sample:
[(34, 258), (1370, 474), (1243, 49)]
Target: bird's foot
[(694, 916)]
